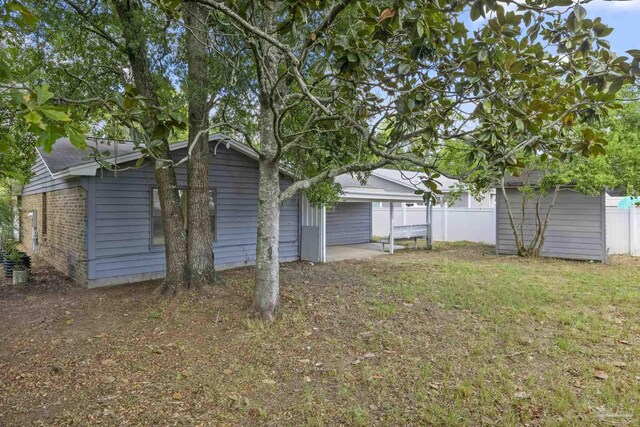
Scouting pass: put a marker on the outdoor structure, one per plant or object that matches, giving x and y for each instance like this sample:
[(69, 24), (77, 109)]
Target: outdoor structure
[(446, 186), (577, 227), (104, 227), (351, 222)]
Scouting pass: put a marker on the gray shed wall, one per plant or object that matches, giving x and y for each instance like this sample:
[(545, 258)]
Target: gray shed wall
[(577, 228), (42, 182), (120, 247), (349, 223)]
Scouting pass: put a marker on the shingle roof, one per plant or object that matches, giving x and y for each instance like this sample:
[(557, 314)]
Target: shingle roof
[(65, 155), (414, 178)]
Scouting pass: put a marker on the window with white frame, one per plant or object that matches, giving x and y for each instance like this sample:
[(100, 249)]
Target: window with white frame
[(157, 233)]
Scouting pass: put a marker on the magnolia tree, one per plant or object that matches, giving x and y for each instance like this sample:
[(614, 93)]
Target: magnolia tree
[(132, 70), (345, 86)]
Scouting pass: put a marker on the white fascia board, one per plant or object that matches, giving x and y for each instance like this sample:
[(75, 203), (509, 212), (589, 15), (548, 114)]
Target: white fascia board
[(350, 195)]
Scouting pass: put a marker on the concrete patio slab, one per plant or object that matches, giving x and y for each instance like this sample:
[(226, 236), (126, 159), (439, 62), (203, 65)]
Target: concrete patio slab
[(358, 251)]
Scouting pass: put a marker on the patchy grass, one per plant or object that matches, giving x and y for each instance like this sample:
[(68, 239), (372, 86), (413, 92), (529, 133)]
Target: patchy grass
[(456, 336)]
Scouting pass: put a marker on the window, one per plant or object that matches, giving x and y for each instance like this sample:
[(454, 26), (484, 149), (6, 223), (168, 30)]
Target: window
[(44, 215), (157, 235)]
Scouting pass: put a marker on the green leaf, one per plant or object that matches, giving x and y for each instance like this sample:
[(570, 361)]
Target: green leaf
[(635, 53), (476, 10), (33, 118), (56, 114), (580, 12), (616, 85), (487, 106), (43, 94)]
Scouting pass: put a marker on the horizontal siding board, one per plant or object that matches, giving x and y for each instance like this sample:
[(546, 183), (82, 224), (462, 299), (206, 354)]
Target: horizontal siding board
[(123, 208), (349, 223), (576, 226), (42, 181)]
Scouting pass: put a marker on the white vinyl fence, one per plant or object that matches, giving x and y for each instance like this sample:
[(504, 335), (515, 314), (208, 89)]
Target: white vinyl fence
[(449, 224), (478, 225), (622, 230)]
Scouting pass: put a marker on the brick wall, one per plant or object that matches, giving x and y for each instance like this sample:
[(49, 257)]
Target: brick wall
[(61, 241)]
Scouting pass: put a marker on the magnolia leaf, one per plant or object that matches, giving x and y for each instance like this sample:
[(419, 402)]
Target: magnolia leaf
[(580, 12), (477, 10), (635, 53), (386, 14)]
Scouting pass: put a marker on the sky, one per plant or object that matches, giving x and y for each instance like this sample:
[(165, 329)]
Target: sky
[(624, 17)]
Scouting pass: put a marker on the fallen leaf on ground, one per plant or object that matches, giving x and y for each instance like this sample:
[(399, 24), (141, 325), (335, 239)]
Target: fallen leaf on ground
[(601, 375)]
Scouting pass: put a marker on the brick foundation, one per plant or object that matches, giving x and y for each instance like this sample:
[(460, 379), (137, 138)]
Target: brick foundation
[(61, 241)]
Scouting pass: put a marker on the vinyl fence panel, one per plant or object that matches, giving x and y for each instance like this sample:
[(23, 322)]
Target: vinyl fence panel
[(622, 231), (449, 224)]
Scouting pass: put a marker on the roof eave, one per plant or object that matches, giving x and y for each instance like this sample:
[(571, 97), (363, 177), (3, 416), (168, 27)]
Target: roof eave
[(91, 168)]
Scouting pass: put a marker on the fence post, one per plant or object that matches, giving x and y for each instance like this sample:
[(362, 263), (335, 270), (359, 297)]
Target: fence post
[(632, 229), (391, 228), (445, 221), (404, 214)]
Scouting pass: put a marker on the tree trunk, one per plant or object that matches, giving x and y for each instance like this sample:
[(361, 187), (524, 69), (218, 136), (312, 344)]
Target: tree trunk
[(199, 230), (267, 293), (174, 233), (174, 230)]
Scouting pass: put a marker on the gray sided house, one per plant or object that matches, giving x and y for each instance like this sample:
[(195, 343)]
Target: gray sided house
[(577, 227), (104, 228)]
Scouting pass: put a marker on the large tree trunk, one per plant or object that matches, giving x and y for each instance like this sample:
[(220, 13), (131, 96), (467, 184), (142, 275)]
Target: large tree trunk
[(267, 293), (174, 230), (200, 234)]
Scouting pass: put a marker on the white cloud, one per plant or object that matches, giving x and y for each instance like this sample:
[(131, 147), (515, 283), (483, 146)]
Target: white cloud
[(613, 6)]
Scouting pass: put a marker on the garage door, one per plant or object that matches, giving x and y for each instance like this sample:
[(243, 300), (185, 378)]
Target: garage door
[(349, 223)]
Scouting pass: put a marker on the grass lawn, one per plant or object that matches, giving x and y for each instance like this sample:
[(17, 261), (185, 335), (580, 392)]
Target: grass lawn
[(457, 336)]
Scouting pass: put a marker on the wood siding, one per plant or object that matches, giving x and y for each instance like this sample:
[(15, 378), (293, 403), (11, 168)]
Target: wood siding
[(349, 223), (121, 243), (576, 230), (42, 182)]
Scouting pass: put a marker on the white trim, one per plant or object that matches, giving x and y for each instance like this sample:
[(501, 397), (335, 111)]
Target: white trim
[(370, 195), (45, 163)]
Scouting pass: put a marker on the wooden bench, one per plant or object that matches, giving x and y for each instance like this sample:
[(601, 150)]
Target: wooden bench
[(414, 232)]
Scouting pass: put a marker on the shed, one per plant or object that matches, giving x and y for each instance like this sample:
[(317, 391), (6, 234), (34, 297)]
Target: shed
[(577, 223)]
